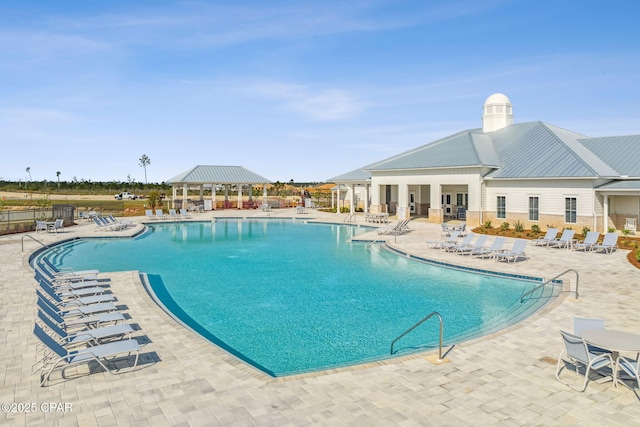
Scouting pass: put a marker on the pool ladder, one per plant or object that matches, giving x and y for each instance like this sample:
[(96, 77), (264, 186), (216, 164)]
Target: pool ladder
[(349, 219), (547, 281), (427, 317)]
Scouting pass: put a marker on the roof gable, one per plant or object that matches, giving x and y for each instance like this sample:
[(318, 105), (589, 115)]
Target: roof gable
[(208, 174)]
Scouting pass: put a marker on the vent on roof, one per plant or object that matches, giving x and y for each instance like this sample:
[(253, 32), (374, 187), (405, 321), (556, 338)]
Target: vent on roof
[(497, 113)]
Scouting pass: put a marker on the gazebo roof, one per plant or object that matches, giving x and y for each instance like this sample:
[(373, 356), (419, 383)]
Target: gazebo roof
[(208, 174)]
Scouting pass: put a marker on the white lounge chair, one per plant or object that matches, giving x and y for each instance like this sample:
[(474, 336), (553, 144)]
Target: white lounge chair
[(578, 354), (184, 213), (548, 237), (437, 244), (588, 243), (609, 243), (516, 252), (75, 322), (41, 226), (86, 336), (148, 213), (159, 214), (451, 246), (100, 353), (564, 241), (173, 215), (470, 248), (495, 247)]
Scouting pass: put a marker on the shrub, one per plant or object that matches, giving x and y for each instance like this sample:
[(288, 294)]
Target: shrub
[(637, 253), (611, 230), (518, 226), (626, 232), (585, 230), (504, 226), (487, 224), (535, 228)]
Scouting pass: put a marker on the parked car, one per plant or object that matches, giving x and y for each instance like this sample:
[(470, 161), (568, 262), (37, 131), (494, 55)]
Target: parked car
[(125, 195)]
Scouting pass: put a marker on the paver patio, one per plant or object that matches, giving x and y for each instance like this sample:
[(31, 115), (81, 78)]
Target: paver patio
[(506, 378)]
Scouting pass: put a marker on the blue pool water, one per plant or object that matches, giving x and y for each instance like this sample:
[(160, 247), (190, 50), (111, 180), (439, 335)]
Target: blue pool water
[(290, 297)]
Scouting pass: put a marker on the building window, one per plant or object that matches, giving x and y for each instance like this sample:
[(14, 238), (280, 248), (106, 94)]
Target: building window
[(570, 210), (501, 211), (534, 203)]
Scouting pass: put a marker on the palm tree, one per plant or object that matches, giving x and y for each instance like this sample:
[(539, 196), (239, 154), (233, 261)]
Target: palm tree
[(58, 175), (29, 172), (144, 162)]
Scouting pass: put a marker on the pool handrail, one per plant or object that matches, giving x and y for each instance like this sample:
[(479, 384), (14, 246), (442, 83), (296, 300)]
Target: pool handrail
[(427, 317), (546, 281)]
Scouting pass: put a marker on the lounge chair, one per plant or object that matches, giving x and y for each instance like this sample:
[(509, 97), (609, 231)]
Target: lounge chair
[(588, 243), (495, 247), (148, 213), (100, 353), (65, 293), (564, 241), (84, 215), (470, 248), (86, 336), (77, 310), (438, 244), (174, 216), (516, 252), (548, 237), (72, 322), (184, 213), (400, 228), (609, 243), (159, 214), (58, 225), (62, 285), (69, 272), (451, 246), (578, 354), (446, 231), (630, 225), (70, 299)]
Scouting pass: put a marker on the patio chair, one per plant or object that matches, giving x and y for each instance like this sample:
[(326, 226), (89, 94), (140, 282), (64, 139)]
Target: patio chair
[(41, 226), (609, 243), (184, 213), (495, 247), (630, 224), (86, 336), (446, 231), (84, 215), (468, 249), (70, 322), (99, 353), (58, 225), (588, 243), (581, 324), (564, 241), (451, 246), (630, 367), (548, 237), (577, 353), (438, 244), (516, 252)]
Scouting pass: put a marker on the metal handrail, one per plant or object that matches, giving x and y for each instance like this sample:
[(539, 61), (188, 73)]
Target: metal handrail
[(547, 281), (34, 239), (433, 313), (349, 217)]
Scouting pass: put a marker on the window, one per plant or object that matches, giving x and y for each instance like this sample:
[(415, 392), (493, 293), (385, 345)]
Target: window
[(534, 203), (501, 210), (570, 210), (459, 199)]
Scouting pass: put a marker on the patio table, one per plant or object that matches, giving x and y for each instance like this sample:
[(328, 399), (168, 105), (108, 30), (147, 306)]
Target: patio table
[(614, 341)]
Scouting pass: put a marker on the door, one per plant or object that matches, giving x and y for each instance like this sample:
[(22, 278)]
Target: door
[(412, 202), (446, 204)]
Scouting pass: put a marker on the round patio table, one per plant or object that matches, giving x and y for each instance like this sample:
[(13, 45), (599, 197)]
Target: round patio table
[(613, 340)]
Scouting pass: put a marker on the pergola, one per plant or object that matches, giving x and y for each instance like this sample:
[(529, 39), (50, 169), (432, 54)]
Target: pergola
[(205, 176)]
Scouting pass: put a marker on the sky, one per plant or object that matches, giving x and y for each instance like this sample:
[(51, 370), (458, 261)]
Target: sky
[(295, 90)]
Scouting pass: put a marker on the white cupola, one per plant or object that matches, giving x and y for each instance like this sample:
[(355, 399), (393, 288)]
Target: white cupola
[(497, 113)]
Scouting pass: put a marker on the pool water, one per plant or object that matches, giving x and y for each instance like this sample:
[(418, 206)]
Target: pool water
[(292, 297)]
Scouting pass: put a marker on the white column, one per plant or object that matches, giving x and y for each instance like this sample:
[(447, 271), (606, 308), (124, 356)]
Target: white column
[(201, 192), (605, 213), (184, 196), (403, 201), (213, 196), (239, 196), (226, 195), (264, 193), (366, 198), (352, 204)]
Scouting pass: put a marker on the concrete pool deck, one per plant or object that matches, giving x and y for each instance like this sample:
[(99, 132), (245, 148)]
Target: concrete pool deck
[(506, 378)]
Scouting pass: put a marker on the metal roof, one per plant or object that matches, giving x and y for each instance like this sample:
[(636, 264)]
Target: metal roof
[(207, 174), (620, 152), (621, 185), (359, 175)]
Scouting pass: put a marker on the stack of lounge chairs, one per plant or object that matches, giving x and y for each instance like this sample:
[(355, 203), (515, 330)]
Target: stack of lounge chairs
[(401, 227), (78, 323), (109, 223), (479, 249)]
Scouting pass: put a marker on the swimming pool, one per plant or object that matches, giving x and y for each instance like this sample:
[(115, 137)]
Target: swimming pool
[(292, 297)]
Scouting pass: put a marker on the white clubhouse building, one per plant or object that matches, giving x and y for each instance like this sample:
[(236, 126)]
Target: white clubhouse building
[(535, 173)]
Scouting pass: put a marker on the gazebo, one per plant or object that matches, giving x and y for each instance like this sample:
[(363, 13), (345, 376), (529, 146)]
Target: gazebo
[(207, 176)]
